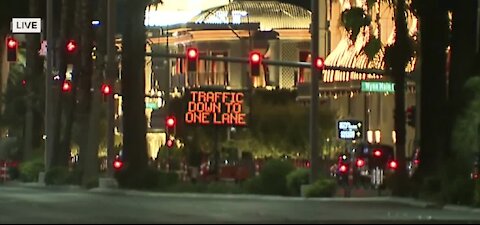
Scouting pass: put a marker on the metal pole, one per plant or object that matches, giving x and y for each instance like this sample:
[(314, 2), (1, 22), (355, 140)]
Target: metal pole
[(111, 77), (48, 86), (314, 29)]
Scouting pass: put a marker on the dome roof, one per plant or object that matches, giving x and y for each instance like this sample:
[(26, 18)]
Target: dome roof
[(270, 14)]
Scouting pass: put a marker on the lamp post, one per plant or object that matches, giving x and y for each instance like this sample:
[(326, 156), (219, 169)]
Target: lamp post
[(314, 91)]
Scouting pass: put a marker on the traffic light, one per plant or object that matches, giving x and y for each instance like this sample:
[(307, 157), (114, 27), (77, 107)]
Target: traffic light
[(117, 164), (12, 46), (192, 59), (319, 63), (71, 49), (106, 89), (411, 116), (255, 60), (170, 125), (67, 86)]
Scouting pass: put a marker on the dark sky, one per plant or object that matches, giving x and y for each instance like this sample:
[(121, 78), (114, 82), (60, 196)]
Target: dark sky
[(302, 3)]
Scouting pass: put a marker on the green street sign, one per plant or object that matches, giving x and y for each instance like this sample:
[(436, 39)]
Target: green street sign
[(151, 105), (383, 87)]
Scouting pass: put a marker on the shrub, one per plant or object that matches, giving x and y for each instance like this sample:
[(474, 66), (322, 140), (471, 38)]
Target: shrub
[(431, 189), (57, 176), (321, 188), (253, 185), (224, 188), (460, 190), (167, 179), (30, 169), (185, 187), (138, 179), (296, 179), (274, 177), (477, 194)]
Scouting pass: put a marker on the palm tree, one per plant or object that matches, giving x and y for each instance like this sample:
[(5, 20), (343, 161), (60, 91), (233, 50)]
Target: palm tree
[(91, 164), (61, 155), (397, 57), (133, 90), (434, 25), (34, 67), (133, 86)]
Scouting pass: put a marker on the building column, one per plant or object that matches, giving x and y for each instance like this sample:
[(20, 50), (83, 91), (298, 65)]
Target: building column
[(323, 39), (274, 54)]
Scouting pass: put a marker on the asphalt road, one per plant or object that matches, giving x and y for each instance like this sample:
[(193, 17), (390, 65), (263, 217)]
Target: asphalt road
[(21, 204)]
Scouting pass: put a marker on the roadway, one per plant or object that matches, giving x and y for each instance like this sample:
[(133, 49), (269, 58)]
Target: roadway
[(37, 204)]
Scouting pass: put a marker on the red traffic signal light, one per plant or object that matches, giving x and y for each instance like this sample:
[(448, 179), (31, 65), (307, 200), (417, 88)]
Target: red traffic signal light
[(170, 143), (117, 164), (106, 89), (192, 53), (24, 82), (12, 42), (170, 122), (71, 46), (67, 86), (192, 58), (319, 63), (255, 57), (12, 46), (255, 60)]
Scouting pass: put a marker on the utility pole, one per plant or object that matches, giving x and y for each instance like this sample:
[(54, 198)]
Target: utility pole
[(314, 30), (111, 77), (48, 88)]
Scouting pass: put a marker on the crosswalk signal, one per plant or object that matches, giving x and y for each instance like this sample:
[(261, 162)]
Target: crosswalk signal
[(255, 60), (12, 47), (192, 59)]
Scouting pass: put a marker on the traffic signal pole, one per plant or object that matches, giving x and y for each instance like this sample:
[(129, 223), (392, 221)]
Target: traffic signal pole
[(48, 88), (111, 77), (306, 65), (314, 129)]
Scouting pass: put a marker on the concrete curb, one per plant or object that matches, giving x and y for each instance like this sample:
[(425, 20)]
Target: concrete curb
[(37, 185), (118, 191)]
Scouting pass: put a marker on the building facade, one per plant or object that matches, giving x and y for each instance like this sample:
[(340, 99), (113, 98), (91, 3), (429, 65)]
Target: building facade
[(280, 31)]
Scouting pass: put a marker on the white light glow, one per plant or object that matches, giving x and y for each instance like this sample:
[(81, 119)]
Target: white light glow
[(178, 11)]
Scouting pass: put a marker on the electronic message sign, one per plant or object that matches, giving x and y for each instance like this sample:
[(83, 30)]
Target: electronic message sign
[(216, 107)]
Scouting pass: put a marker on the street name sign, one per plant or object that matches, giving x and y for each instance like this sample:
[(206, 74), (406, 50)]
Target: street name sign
[(384, 87)]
